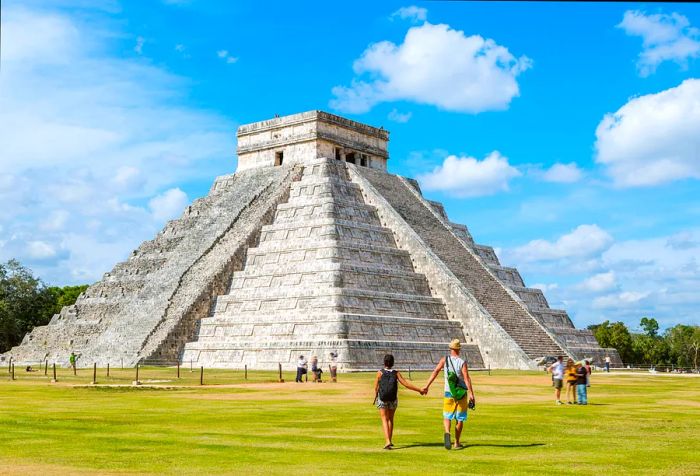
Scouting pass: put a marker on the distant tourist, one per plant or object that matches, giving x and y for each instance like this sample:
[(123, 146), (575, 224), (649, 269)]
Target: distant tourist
[(607, 363), (459, 393), (589, 370), (72, 359), (581, 390), (301, 368), (571, 377), (386, 396), (557, 370), (315, 369), (334, 367)]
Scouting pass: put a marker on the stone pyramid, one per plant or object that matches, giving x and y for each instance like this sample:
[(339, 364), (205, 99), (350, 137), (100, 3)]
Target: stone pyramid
[(311, 247)]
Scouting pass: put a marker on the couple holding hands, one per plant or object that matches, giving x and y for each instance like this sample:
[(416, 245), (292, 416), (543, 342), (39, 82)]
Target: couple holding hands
[(459, 394)]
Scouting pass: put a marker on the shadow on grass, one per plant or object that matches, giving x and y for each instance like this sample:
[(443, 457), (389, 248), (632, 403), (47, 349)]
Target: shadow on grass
[(440, 445)]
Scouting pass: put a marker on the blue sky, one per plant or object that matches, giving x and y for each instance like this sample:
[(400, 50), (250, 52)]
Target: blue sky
[(567, 136)]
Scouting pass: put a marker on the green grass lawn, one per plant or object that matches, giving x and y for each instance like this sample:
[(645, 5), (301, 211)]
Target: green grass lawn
[(635, 424)]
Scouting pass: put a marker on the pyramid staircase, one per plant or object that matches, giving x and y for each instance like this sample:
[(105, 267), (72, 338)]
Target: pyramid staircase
[(326, 276)]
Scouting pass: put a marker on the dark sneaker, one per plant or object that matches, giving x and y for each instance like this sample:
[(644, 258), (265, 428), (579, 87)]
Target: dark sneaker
[(448, 443)]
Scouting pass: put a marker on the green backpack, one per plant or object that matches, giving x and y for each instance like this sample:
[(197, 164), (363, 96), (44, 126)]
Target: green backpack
[(458, 392)]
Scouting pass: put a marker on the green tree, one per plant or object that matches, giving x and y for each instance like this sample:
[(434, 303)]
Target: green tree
[(615, 335), (650, 326), (26, 302), (684, 345)]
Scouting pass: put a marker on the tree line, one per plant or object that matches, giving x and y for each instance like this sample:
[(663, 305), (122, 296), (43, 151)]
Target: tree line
[(26, 301), (678, 345)]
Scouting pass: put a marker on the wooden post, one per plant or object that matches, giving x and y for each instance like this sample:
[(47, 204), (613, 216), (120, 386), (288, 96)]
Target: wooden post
[(246, 372), (9, 366), (13, 371), (201, 375), (178, 369), (94, 373), (46, 367), (54, 380), (137, 381), (409, 373), (281, 380), (107, 369), (489, 369)]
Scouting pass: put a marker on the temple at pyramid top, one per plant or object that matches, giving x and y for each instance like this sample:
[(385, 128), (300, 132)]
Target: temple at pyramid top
[(301, 137)]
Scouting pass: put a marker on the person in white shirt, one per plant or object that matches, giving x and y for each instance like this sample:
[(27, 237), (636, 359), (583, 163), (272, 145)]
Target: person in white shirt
[(557, 370), (301, 368)]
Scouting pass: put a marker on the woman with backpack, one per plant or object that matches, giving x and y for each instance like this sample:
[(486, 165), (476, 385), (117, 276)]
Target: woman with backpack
[(386, 390)]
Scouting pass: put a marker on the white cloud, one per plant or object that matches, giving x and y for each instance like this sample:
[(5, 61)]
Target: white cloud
[(563, 173), (599, 282), (623, 280), (226, 56), (400, 117), (434, 65), (114, 134), (470, 177), (412, 13), (168, 205), (139, 45), (653, 139), (583, 241), (40, 250), (620, 300), (665, 38)]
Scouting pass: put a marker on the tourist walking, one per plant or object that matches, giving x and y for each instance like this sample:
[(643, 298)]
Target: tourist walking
[(607, 363), (334, 367), (581, 390), (386, 396), (301, 368), (459, 393), (557, 370), (571, 377)]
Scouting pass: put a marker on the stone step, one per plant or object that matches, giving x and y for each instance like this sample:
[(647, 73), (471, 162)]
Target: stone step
[(327, 227), (486, 253), (509, 276), (332, 300), (352, 354), (272, 255), (329, 326)]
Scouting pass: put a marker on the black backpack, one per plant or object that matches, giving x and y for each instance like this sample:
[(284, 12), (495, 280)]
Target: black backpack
[(388, 386)]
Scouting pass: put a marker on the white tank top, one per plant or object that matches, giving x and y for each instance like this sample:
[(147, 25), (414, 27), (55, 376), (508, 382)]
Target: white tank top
[(454, 364)]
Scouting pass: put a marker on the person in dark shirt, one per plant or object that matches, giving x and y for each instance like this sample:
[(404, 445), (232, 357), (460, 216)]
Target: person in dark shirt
[(581, 374)]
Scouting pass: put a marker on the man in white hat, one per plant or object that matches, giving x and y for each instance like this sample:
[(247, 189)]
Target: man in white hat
[(454, 408)]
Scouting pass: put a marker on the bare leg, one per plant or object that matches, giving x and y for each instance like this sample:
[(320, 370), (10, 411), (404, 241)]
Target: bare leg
[(458, 432), (383, 413), (390, 416), (447, 423), (557, 394)]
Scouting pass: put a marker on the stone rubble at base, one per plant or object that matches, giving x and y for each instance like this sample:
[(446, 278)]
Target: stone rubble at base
[(297, 253)]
